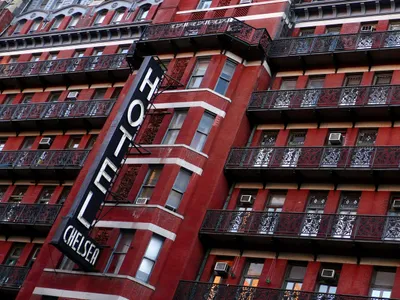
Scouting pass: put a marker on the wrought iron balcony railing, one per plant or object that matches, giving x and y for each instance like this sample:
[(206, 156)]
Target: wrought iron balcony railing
[(43, 159), (29, 214), (342, 97), (328, 158), (193, 290), (303, 225), (334, 43), (12, 277), (56, 110), (62, 66)]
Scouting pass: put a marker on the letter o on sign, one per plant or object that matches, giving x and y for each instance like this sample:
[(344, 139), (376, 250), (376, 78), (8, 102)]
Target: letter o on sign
[(135, 113)]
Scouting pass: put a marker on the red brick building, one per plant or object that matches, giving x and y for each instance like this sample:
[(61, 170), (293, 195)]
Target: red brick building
[(266, 169)]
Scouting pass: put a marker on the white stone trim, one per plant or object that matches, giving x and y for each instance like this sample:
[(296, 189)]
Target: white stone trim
[(199, 90), (231, 6), (164, 161), (145, 206), (75, 294), (351, 19), (139, 226), (263, 16), (201, 104), (173, 146)]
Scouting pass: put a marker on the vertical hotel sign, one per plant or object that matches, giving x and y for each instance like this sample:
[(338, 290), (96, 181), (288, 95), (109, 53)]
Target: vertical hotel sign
[(72, 236)]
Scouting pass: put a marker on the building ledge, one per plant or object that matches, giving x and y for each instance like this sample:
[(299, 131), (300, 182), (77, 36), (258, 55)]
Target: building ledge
[(199, 90), (145, 206)]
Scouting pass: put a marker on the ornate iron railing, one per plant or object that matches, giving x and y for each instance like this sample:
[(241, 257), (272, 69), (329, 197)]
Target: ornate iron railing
[(342, 97), (194, 290), (42, 159), (68, 65), (366, 157), (29, 214), (12, 277), (334, 43), (229, 26), (303, 225), (56, 110)]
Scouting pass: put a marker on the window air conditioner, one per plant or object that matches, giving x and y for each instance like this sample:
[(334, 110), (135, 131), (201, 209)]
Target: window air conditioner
[(221, 268), (335, 138), (45, 142), (246, 199), (141, 200), (367, 28), (245, 1), (72, 95), (396, 204), (328, 273)]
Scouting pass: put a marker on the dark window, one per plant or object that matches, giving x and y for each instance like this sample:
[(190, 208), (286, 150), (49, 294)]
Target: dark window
[(178, 189), (18, 193), (382, 282), (32, 257), (64, 194), (198, 73), (149, 184), (74, 142), (225, 77), (252, 273), (150, 257), (295, 273), (119, 252), (46, 194), (14, 254)]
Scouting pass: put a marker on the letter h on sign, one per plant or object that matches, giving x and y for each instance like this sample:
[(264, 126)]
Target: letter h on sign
[(72, 237)]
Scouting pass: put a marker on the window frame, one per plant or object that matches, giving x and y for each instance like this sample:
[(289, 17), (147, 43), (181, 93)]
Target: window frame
[(173, 129), (146, 184), (146, 257), (225, 80), (194, 75), (175, 189), (129, 234), (201, 143)]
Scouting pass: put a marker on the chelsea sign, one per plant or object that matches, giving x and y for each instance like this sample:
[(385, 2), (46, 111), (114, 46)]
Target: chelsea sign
[(72, 237)]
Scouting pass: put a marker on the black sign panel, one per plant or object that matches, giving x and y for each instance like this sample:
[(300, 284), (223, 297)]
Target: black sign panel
[(72, 237)]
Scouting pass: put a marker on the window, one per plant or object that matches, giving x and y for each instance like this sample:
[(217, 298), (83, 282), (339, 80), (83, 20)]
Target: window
[(225, 77), (54, 96), (328, 285), (268, 138), (382, 78), (149, 184), (35, 25), (368, 27), (382, 282), (8, 99), (13, 59), (74, 142), (2, 143), (367, 137), (91, 141), (116, 93), (252, 273), (315, 82), (200, 137), (276, 200), (101, 15), (142, 14), (288, 84), (32, 257), (178, 189), (74, 21), (79, 53), (99, 93), (119, 13), (98, 52), (123, 50), (19, 26), (333, 29), (294, 276), (52, 56), (66, 264), (14, 254), (204, 4), (18, 193), (149, 258), (394, 25), (56, 23), (198, 73), (35, 57), (46, 194), (174, 127), (307, 31), (119, 252), (353, 80), (64, 195), (28, 142)]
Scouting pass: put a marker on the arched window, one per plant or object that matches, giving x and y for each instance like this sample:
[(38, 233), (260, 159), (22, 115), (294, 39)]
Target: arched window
[(19, 26), (101, 15), (119, 13), (74, 20), (57, 22), (35, 25), (143, 12)]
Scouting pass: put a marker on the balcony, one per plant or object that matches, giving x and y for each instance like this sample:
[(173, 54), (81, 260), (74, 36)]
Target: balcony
[(43, 164), (335, 50), (225, 33), (362, 103), (11, 279), (60, 115), (364, 165), (335, 234), (64, 71), (193, 290)]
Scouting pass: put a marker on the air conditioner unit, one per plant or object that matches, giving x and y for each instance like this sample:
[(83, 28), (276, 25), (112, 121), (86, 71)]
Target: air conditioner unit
[(72, 95), (396, 204), (170, 207), (328, 273), (141, 200), (335, 138), (368, 28), (245, 1), (221, 268), (246, 199), (45, 142)]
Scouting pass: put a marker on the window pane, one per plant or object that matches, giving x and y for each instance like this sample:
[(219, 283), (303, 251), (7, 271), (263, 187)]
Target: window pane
[(144, 270), (222, 86), (182, 181), (153, 176), (171, 136), (228, 70), (174, 199), (205, 123), (384, 278), (178, 119), (277, 200), (386, 294), (124, 242), (201, 67), (198, 142), (146, 192), (297, 272), (255, 269), (154, 247)]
